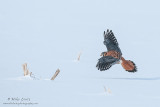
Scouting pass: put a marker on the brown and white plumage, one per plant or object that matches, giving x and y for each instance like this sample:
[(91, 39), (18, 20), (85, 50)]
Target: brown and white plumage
[(113, 55)]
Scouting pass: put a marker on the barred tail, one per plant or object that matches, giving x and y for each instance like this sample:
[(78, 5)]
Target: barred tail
[(128, 65)]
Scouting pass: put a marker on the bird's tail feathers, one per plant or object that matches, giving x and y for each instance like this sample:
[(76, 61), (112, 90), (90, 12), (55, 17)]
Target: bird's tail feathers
[(128, 65)]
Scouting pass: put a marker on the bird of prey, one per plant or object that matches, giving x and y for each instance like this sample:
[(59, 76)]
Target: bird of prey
[(113, 55)]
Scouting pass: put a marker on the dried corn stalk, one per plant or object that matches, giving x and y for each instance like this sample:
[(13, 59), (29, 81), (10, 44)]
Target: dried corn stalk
[(79, 56), (55, 75), (107, 91), (25, 69)]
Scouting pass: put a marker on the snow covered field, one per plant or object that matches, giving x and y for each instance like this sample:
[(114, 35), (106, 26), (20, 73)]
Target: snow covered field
[(50, 34)]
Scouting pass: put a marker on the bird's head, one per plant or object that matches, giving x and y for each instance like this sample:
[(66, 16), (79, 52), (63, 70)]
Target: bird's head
[(103, 53)]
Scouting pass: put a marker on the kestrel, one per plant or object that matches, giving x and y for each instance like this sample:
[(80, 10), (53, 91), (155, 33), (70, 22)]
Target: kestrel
[(113, 55)]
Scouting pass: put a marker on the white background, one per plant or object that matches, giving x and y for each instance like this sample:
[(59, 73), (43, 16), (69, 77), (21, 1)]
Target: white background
[(49, 34)]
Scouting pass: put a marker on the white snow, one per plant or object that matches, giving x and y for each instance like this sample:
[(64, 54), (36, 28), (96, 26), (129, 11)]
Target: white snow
[(48, 35)]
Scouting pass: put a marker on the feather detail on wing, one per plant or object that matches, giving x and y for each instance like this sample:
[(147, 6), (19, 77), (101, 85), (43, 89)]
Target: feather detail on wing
[(110, 36), (106, 62), (111, 42)]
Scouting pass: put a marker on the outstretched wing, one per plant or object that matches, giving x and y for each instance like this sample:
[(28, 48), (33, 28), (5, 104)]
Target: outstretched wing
[(106, 62), (111, 42)]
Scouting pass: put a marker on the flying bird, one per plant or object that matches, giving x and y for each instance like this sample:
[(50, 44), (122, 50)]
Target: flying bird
[(113, 55)]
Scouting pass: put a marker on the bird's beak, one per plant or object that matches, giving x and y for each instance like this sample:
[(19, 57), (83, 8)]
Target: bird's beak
[(101, 55)]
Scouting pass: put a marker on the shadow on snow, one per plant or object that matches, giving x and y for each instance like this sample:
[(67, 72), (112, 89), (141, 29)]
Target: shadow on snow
[(153, 78)]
